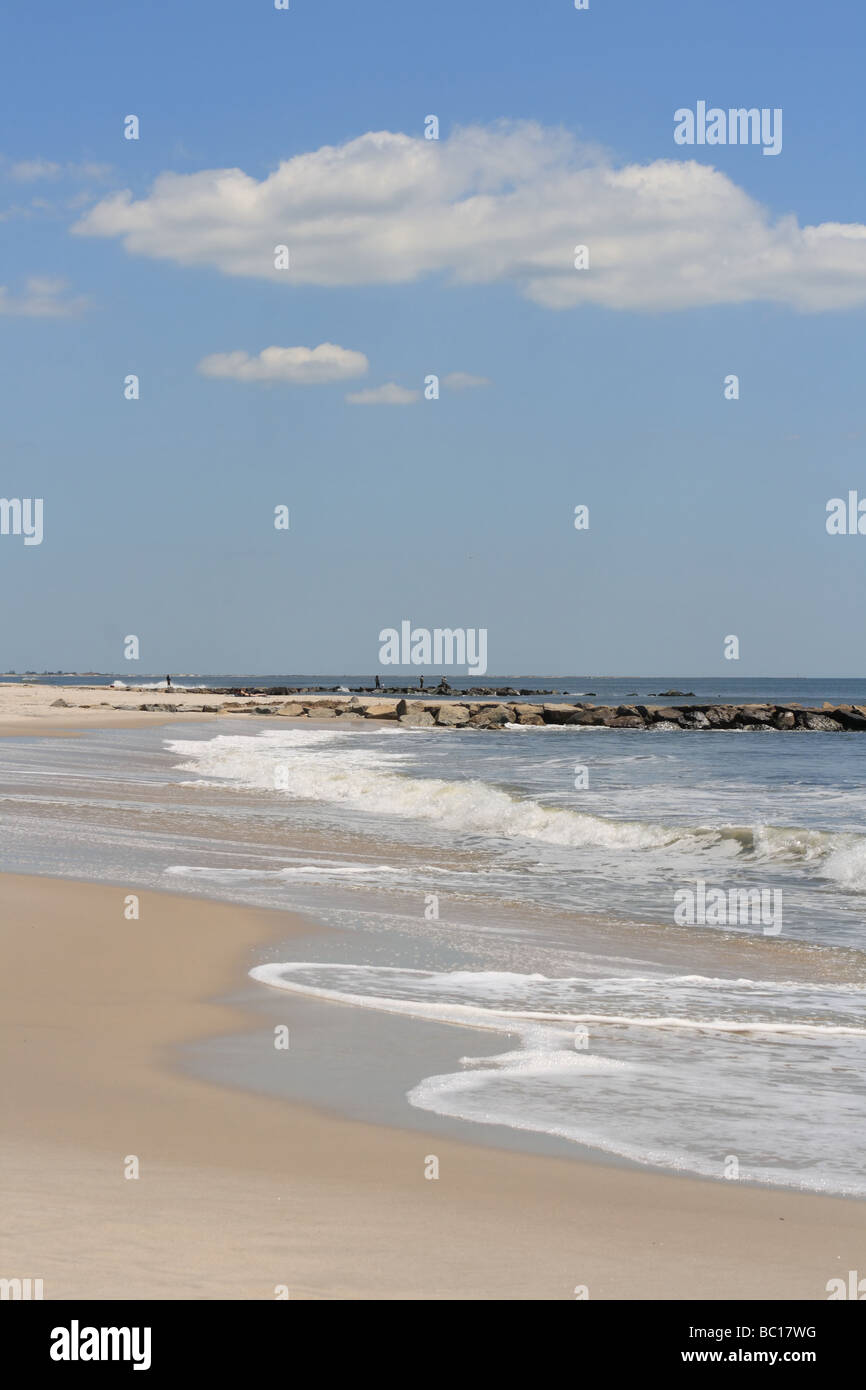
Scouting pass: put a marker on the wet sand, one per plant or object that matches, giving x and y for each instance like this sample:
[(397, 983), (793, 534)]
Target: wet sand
[(241, 1194)]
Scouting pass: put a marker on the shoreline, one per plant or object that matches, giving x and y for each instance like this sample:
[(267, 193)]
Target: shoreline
[(239, 1192), (31, 709)]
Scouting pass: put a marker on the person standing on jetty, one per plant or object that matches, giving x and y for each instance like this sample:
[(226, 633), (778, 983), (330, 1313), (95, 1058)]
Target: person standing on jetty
[(168, 682)]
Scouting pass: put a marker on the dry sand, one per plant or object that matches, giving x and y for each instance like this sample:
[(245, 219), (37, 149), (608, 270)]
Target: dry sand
[(241, 1193), (32, 709)]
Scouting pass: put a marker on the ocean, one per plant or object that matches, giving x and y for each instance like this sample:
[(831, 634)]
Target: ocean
[(526, 886)]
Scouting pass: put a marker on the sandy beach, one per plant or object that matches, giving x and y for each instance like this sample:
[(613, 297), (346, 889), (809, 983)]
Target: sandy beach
[(59, 710), (239, 1194)]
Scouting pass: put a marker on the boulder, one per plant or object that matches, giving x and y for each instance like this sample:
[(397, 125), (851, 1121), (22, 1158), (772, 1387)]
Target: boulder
[(785, 719), (452, 716), (819, 723), (720, 716), (668, 713), (530, 714), (60, 704), (755, 714), (850, 720), (625, 721), (557, 714), (417, 717), (380, 709), (696, 719), (492, 717)]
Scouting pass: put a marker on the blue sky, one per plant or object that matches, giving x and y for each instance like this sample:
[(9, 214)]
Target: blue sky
[(706, 515)]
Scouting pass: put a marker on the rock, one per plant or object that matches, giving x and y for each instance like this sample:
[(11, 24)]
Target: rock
[(452, 716), (668, 713), (530, 714), (380, 709), (849, 720), (417, 717), (697, 720), (557, 714), (492, 717), (785, 719), (601, 716), (755, 714), (326, 712), (60, 704), (625, 721), (669, 693), (819, 723)]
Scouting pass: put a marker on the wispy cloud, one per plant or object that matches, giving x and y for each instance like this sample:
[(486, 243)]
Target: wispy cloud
[(389, 394), (298, 365), (32, 170), (43, 297), (508, 202), (29, 170)]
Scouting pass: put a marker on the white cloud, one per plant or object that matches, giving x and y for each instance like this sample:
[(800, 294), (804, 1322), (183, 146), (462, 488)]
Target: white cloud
[(44, 297), (503, 203), (389, 394), (300, 365), (463, 381), (29, 170)]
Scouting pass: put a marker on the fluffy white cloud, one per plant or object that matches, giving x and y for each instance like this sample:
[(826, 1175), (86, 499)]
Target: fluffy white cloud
[(389, 394), (506, 202), (300, 365), (44, 297), (463, 381)]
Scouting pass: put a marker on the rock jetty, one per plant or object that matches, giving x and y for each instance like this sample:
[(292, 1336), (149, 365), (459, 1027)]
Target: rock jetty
[(479, 714)]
